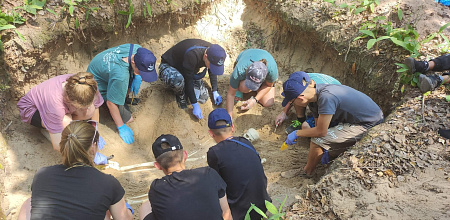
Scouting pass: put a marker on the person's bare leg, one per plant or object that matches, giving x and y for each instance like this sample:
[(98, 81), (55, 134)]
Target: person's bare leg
[(145, 209), (446, 79), (268, 99), (431, 65), (25, 210), (314, 156)]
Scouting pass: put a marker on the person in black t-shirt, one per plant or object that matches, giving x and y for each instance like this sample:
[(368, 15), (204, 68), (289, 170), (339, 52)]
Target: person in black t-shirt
[(183, 194), (238, 163), (75, 189), (179, 70)]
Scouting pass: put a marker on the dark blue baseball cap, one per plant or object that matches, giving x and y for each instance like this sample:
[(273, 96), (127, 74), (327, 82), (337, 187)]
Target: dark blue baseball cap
[(145, 62), (219, 114), (294, 86), (216, 57)]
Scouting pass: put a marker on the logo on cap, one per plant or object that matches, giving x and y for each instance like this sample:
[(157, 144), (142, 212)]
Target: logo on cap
[(220, 63), (151, 67)]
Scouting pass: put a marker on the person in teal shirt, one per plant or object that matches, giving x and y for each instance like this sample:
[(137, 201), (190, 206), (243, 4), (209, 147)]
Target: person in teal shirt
[(255, 71), (116, 70)]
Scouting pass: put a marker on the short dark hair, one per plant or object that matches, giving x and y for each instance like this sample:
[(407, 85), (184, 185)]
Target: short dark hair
[(170, 158), (221, 131)]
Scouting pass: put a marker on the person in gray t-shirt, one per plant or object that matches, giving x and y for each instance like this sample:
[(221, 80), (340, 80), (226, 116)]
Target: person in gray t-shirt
[(342, 116)]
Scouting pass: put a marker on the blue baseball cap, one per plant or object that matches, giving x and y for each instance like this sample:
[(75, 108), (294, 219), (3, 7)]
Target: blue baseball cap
[(219, 114), (145, 62), (216, 57), (294, 86)]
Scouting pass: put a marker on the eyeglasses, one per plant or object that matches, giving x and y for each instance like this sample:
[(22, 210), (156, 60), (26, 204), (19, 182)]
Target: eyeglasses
[(91, 122)]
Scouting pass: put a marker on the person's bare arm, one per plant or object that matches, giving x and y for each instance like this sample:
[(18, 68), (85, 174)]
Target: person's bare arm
[(119, 211), (226, 212), (115, 114), (230, 100), (320, 130)]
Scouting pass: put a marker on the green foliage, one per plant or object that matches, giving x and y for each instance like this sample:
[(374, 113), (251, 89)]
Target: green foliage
[(31, 6), (405, 77), (358, 6), (129, 13), (149, 10), (9, 21), (276, 213)]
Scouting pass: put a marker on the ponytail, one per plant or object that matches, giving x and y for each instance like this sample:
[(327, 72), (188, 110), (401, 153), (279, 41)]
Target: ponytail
[(81, 88), (264, 61), (76, 141)]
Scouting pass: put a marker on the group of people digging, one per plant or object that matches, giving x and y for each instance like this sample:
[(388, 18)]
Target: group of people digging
[(66, 108)]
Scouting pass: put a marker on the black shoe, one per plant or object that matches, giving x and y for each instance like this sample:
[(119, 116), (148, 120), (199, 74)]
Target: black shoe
[(135, 100), (416, 66), (181, 100), (444, 133), (428, 83), (295, 125)]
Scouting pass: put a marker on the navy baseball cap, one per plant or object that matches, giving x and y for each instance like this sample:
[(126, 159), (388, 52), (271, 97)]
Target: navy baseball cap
[(219, 114), (171, 140), (216, 56), (294, 86), (256, 74), (145, 62)]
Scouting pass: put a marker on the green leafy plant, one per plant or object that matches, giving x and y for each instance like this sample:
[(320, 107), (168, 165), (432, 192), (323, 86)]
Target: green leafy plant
[(31, 6), (149, 10), (406, 78), (129, 13), (358, 6), (276, 213), (9, 21)]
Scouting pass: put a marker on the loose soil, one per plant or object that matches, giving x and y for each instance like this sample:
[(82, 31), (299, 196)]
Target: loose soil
[(302, 35)]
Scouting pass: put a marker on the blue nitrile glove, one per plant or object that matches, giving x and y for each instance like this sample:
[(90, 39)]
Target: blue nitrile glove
[(129, 207), (136, 84), (291, 138), (101, 143), (126, 134), (197, 111), (325, 158), (217, 98), (100, 159)]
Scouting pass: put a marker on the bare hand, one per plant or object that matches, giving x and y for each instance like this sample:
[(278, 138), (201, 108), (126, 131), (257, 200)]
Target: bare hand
[(248, 104)]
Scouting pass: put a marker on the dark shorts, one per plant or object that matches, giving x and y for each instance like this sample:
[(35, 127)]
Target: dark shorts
[(125, 112), (36, 120)]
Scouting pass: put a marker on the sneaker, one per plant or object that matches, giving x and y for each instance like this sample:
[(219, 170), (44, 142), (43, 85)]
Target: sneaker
[(415, 66), (181, 100), (295, 125), (428, 83)]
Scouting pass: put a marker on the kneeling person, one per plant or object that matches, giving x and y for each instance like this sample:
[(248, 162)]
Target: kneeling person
[(348, 112), (238, 163), (183, 194)]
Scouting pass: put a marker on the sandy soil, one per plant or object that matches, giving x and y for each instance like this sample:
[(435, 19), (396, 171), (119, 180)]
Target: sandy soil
[(236, 28)]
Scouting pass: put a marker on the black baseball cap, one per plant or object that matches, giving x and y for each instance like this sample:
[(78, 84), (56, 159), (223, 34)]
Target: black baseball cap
[(169, 139)]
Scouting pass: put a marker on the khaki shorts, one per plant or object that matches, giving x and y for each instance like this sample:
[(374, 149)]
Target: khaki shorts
[(339, 138)]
